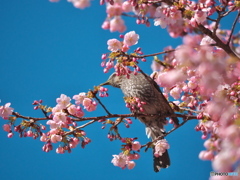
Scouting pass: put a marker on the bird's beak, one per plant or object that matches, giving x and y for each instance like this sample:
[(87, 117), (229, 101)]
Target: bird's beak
[(103, 84)]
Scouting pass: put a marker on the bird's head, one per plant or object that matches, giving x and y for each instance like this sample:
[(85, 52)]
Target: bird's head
[(113, 80)]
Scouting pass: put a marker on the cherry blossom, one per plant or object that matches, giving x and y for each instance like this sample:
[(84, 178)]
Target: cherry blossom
[(114, 45), (89, 104), (63, 101), (81, 4), (79, 98), (131, 38), (6, 111), (160, 147), (120, 160)]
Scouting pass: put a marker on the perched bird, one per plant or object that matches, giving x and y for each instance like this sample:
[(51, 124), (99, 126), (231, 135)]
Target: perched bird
[(143, 87)]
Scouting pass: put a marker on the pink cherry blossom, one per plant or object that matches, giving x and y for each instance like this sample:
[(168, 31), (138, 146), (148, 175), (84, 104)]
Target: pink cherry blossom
[(114, 10), (81, 4), (79, 98), (52, 124), (119, 160), (89, 104), (55, 138), (59, 117), (75, 110), (160, 147), (44, 138), (7, 127), (130, 38), (6, 111), (63, 101), (223, 162), (170, 78), (200, 16), (114, 45), (206, 155), (136, 146), (175, 92), (106, 24), (126, 6), (131, 164), (57, 108), (117, 24)]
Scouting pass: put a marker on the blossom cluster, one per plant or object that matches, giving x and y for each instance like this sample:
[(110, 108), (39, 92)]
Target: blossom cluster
[(134, 104), (205, 80), (119, 59), (60, 120), (125, 158)]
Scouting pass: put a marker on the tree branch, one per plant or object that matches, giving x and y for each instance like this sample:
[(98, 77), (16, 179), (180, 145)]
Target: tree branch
[(219, 43)]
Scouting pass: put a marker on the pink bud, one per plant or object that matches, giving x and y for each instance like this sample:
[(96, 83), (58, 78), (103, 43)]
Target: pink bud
[(138, 21), (129, 121), (102, 2), (104, 56), (10, 135), (83, 133), (105, 70), (204, 136), (29, 133), (136, 146), (7, 127), (35, 102), (60, 150), (123, 140), (131, 164), (43, 127), (136, 156), (121, 36)]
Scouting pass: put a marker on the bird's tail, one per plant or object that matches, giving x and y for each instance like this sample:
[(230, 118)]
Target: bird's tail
[(161, 161)]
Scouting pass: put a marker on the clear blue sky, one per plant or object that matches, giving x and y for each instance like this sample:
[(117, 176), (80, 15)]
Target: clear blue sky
[(47, 49)]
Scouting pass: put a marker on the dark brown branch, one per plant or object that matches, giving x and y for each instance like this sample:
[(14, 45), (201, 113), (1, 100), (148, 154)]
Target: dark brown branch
[(29, 118), (219, 43), (109, 116)]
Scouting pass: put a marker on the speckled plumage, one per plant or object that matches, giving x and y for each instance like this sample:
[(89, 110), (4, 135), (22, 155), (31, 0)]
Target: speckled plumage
[(145, 88)]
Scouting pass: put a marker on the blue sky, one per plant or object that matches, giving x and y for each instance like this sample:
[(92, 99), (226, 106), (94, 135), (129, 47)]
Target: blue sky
[(52, 48)]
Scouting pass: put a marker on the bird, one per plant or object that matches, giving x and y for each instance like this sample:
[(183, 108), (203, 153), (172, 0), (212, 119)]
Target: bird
[(144, 88)]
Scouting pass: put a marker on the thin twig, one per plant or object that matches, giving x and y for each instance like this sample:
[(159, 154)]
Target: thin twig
[(79, 127), (154, 54), (233, 27), (165, 134), (29, 118), (101, 104)]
